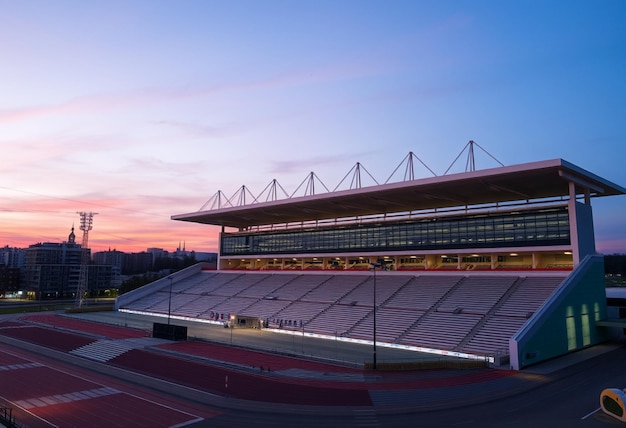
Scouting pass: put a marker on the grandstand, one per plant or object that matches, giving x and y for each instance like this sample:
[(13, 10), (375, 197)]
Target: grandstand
[(497, 263)]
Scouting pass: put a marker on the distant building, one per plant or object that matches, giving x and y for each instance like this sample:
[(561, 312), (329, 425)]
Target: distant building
[(135, 263), (112, 258), (153, 259), (157, 253), (12, 257), (9, 280), (52, 270), (181, 253), (11, 260), (206, 257)]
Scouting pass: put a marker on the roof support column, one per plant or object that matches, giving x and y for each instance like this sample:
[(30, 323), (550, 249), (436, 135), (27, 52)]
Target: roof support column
[(581, 224), (573, 227), (219, 247)]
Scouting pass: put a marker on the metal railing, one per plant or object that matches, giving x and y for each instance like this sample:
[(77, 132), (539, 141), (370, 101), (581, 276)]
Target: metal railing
[(7, 419)]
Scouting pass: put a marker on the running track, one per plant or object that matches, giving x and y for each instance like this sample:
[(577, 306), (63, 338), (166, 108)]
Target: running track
[(65, 399)]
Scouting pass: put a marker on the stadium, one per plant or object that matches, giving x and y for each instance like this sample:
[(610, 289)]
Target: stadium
[(496, 264)]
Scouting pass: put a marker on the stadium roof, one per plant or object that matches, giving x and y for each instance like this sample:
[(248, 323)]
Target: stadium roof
[(530, 181)]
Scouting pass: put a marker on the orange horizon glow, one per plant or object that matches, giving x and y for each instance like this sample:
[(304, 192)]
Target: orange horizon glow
[(191, 240), (134, 205), (118, 225)]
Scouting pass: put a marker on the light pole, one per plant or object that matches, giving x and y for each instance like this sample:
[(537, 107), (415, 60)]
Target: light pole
[(374, 267), (169, 303), (231, 321)]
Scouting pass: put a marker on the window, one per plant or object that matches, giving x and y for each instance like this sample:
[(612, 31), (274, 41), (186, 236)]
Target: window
[(528, 228)]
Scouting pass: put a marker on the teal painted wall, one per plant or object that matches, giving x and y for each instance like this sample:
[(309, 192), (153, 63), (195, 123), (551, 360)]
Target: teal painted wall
[(567, 322)]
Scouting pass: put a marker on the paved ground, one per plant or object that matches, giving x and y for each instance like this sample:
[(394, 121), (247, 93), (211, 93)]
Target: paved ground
[(216, 384), (292, 344)]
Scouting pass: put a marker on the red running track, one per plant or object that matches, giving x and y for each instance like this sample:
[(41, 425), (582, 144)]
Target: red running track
[(59, 398), (104, 330), (403, 380), (55, 339), (245, 385), (241, 385), (205, 376)]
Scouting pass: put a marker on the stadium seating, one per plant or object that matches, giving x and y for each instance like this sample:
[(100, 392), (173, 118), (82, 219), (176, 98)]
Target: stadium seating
[(470, 312)]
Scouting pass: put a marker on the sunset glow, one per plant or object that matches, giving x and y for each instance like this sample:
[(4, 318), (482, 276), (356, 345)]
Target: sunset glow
[(139, 110)]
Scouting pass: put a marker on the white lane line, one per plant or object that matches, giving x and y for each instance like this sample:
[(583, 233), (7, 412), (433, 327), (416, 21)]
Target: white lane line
[(189, 422), (104, 387), (21, 366), (30, 403)]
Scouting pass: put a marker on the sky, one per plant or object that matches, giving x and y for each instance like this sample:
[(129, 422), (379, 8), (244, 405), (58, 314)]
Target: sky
[(140, 110)]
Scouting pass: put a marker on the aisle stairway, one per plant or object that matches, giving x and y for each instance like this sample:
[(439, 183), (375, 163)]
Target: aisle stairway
[(105, 350)]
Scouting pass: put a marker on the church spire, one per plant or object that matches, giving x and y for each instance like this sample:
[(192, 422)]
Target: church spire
[(71, 239)]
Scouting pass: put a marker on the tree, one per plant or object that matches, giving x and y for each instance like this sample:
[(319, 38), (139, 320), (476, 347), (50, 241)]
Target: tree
[(615, 264)]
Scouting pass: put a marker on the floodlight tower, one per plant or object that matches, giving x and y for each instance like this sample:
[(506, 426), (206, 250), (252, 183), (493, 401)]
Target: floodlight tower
[(86, 224)]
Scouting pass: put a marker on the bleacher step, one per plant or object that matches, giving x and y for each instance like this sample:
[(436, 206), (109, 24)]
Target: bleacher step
[(105, 350)]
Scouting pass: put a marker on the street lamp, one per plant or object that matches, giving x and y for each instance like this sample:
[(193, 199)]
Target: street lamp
[(169, 303), (231, 321), (374, 267)]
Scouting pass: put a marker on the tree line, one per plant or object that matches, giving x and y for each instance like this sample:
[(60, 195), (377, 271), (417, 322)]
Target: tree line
[(615, 264)]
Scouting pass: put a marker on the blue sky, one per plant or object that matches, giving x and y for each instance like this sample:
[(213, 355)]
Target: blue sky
[(139, 110)]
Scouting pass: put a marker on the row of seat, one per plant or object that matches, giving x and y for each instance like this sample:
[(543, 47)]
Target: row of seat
[(451, 312)]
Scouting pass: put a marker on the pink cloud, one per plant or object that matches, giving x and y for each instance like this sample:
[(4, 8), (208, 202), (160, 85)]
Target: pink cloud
[(611, 246)]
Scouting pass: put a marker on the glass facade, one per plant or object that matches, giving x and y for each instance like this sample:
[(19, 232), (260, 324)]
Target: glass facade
[(542, 227)]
